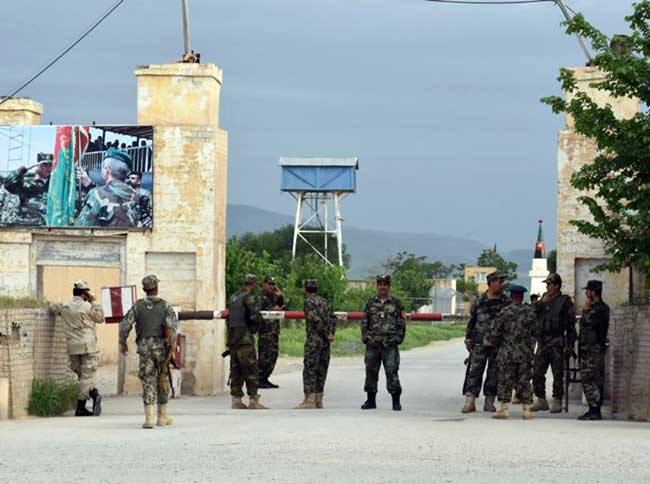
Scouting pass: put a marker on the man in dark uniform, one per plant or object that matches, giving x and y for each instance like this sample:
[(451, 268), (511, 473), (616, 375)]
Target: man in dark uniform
[(382, 331), (268, 334), (155, 326), (482, 316), (593, 345), (243, 320), (556, 336)]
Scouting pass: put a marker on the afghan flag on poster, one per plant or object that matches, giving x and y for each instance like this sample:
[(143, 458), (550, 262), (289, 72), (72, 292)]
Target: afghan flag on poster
[(69, 147)]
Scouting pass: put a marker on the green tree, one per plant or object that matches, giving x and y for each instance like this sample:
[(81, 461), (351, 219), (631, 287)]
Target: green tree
[(491, 258), (467, 289), (551, 261), (616, 185), (240, 261)]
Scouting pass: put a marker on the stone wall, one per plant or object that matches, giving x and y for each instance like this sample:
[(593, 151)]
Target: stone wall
[(32, 346)]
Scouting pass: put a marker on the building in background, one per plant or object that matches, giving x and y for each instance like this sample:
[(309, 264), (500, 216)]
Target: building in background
[(539, 269), (443, 296), (479, 276)]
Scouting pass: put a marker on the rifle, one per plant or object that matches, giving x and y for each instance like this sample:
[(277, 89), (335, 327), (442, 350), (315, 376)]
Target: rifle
[(468, 365), (169, 360), (568, 370)]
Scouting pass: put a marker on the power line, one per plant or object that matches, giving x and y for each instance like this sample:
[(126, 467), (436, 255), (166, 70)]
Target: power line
[(83, 35), (492, 2)]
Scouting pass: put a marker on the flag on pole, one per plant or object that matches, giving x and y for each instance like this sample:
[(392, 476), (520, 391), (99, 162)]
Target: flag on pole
[(70, 145)]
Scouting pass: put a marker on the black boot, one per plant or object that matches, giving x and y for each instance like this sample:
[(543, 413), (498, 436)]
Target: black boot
[(82, 411), (397, 406), (592, 414), (271, 384), (371, 402), (97, 402), (265, 383)]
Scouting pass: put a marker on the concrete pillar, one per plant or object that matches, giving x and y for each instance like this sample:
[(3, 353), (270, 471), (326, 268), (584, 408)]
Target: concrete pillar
[(4, 398), (187, 246), (20, 111)]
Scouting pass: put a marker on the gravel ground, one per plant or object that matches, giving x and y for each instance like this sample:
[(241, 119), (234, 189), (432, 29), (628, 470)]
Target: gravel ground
[(430, 441)]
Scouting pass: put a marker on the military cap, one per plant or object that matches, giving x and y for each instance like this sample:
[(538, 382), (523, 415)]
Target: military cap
[(269, 278), (120, 155), (150, 282), (383, 278), (492, 276), (250, 279), (82, 285), (311, 284), (594, 285), (553, 278), (45, 158), (518, 289)]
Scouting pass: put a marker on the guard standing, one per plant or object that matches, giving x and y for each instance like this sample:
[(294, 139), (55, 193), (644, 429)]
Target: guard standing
[(268, 335)]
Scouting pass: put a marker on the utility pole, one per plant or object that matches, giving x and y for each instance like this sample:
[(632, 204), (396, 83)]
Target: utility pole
[(189, 56), (581, 41)]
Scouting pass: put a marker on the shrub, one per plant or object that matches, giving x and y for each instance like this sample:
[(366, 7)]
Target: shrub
[(50, 398)]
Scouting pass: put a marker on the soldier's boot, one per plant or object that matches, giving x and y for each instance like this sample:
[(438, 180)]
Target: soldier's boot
[(488, 406), (540, 405), (237, 404), (592, 414), (270, 384), (308, 403), (556, 406), (470, 403), (319, 400), (163, 418), (504, 411), (97, 402), (149, 417), (397, 406), (254, 403), (81, 410), (516, 400), (371, 401), (527, 415)]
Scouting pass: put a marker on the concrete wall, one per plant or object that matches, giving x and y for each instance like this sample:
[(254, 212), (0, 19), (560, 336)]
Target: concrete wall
[(577, 253), (20, 111)]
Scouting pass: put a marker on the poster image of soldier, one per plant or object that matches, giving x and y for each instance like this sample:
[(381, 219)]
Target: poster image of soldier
[(76, 176)]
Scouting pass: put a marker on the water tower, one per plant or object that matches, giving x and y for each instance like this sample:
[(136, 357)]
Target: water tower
[(317, 185)]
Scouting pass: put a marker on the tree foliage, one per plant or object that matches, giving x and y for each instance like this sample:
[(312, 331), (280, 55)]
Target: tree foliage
[(551, 261), (491, 258), (616, 185)]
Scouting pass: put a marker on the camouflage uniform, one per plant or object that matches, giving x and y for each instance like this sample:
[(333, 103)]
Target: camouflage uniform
[(113, 205), (482, 316), (593, 344), (146, 207), (243, 322), (33, 196), (513, 336), (150, 316), (382, 331), (320, 325), (268, 334)]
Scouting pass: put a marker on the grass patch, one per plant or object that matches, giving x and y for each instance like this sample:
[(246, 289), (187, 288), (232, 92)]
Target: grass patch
[(348, 338), (7, 302), (50, 398)]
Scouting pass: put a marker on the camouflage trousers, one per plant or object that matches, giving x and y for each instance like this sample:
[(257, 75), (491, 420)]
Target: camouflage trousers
[(153, 354), (389, 356), (243, 369), (592, 376), (268, 342), (515, 375), (480, 358), (316, 364), (85, 367), (545, 356)]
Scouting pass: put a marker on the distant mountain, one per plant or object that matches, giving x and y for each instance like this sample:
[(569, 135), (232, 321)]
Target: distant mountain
[(368, 248)]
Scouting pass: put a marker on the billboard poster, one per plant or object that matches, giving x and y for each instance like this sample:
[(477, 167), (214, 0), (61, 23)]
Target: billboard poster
[(76, 176)]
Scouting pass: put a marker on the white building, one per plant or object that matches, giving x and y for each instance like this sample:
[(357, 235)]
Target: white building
[(540, 268)]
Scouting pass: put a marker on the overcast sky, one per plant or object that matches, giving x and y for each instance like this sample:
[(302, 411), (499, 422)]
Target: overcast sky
[(439, 102)]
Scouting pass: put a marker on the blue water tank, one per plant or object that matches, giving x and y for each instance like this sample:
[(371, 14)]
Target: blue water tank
[(319, 174)]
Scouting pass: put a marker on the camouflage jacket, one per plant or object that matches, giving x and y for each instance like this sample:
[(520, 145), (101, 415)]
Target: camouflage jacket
[(266, 302), (241, 332), (482, 315), (146, 207), (559, 330), (513, 333), (33, 196), (113, 205), (384, 322), (319, 319), (132, 317), (594, 326)]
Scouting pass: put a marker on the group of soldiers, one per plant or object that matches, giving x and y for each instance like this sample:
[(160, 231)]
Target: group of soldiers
[(514, 343), (120, 202)]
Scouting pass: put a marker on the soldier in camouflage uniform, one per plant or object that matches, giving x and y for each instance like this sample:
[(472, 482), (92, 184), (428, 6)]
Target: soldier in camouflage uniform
[(593, 345), (155, 326), (383, 329), (482, 316), (243, 320), (31, 184), (320, 325), (114, 204), (513, 336), (80, 317), (144, 196), (556, 337), (268, 334)]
